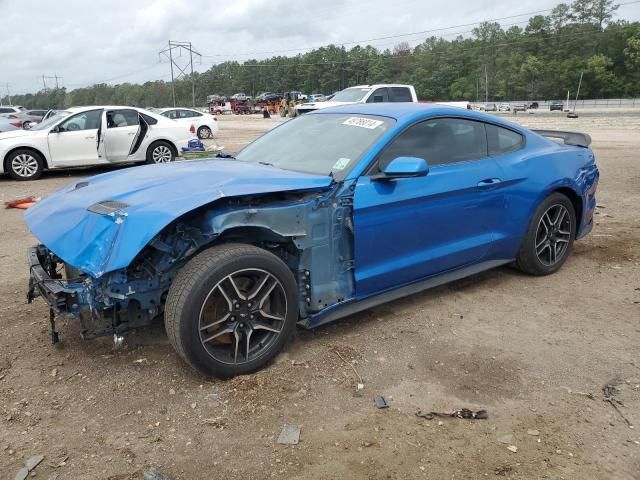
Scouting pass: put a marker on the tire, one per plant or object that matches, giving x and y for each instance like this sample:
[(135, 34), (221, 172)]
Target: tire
[(549, 238), (216, 289), (160, 152), (204, 132), (26, 125), (283, 112), (24, 165)]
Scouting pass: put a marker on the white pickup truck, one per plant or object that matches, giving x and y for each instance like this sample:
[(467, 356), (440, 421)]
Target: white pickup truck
[(389, 92)]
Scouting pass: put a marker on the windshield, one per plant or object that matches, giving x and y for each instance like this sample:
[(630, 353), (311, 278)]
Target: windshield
[(52, 120), (351, 95), (320, 144)]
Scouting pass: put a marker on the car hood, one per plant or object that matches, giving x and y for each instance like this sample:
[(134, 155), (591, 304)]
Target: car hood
[(150, 197), (19, 134), (321, 105)]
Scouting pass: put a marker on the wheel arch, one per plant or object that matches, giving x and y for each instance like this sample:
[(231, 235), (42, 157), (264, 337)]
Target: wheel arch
[(5, 160), (171, 143), (576, 201)]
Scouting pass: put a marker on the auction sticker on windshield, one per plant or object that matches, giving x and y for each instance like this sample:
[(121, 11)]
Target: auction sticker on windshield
[(341, 164), (363, 122)]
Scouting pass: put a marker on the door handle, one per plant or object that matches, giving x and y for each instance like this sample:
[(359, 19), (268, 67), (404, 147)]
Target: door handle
[(89, 137), (131, 133), (489, 183)]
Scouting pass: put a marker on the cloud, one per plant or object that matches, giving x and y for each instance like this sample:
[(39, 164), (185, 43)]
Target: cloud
[(118, 40)]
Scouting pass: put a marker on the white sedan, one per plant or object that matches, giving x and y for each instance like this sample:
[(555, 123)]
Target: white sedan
[(98, 135), (202, 124)]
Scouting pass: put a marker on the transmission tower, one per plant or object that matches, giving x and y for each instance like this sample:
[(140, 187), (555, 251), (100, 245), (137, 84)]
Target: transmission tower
[(50, 77), (173, 51)]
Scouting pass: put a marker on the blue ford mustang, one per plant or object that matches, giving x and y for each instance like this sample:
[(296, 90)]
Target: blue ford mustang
[(325, 215)]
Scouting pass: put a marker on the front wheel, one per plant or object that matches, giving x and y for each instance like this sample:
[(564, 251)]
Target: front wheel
[(25, 165), (549, 238), (231, 309), (160, 152)]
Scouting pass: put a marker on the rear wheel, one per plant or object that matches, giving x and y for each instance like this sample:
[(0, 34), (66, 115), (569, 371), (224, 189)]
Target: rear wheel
[(25, 165), (231, 309), (160, 152), (549, 238), (204, 132)]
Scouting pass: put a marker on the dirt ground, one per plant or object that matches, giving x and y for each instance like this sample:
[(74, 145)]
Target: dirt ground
[(534, 352)]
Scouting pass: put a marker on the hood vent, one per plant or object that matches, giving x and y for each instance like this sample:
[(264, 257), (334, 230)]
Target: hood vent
[(107, 207)]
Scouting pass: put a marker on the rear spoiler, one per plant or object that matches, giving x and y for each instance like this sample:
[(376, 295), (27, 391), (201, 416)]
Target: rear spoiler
[(569, 138)]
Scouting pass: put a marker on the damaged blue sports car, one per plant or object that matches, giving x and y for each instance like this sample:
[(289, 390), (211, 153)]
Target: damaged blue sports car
[(328, 214)]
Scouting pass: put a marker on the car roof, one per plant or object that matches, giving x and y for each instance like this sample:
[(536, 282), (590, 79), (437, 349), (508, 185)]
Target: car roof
[(403, 111)]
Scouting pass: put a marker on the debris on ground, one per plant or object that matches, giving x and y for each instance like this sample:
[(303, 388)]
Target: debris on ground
[(22, 203), (460, 413), (512, 448), (290, 434), (533, 433), (610, 389), (344, 360), (29, 465), (380, 402), (153, 474), (218, 422), (508, 439)]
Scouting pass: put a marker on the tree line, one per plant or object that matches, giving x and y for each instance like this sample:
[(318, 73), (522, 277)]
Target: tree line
[(541, 60)]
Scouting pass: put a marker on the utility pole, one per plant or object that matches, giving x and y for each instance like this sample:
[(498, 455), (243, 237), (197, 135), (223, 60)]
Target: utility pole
[(50, 77), (9, 94), (167, 52), (486, 84)]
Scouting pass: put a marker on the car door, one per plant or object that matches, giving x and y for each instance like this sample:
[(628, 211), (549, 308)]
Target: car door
[(74, 141), (123, 128), (407, 229)]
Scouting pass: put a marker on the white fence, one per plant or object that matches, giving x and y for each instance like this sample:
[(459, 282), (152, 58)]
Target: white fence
[(587, 103)]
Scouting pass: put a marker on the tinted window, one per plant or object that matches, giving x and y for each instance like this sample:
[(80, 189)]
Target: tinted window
[(400, 94), (172, 114), (439, 141), (122, 118), (502, 140), (7, 110), (379, 96), (82, 121)]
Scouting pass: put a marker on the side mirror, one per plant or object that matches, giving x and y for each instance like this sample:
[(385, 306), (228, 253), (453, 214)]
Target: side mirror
[(55, 129), (403, 167)]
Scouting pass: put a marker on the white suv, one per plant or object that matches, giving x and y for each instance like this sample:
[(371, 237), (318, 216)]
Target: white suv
[(202, 124)]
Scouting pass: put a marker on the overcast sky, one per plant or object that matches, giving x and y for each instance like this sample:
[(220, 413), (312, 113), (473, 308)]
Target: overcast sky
[(117, 41)]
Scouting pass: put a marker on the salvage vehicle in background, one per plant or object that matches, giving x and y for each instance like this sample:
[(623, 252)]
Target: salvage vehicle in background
[(7, 125), (556, 105), (97, 135), (363, 94), (7, 109), (323, 216), (504, 107), (202, 124)]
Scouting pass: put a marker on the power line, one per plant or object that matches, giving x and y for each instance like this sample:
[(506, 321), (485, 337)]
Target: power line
[(387, 37)]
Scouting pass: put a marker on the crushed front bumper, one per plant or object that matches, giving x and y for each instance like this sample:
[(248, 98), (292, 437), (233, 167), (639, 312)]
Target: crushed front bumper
[(64, 298)]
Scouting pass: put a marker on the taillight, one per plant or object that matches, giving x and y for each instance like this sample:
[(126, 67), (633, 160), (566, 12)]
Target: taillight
[(192, 129), (16, 124), (11, 116)]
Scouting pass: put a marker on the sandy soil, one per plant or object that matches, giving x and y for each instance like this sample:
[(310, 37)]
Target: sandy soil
[(534, 352)]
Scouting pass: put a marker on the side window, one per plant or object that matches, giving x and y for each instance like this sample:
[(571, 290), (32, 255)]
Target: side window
[(379, 96), (172, 114), (6, 110), (502, 140), (400, 94), (82, 121), (185, 114), (122, 118), (148, 119), (439, 141)]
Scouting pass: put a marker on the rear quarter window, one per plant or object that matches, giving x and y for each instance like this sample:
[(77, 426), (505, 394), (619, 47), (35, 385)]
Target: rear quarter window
[(502, 140), (400, 94)]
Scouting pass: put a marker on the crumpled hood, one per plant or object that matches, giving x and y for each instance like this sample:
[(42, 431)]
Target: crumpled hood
[(154, 195)]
